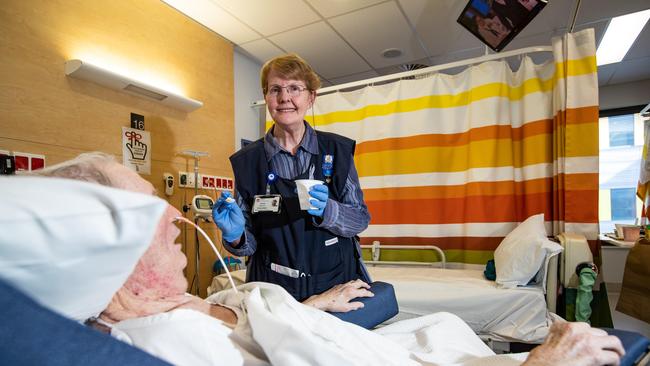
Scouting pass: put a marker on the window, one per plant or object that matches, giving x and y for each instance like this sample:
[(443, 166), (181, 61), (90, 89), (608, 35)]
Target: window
[(621, 130), (619, 163), (623, 204)]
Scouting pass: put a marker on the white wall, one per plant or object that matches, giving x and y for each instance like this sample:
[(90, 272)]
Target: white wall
[(624, 95), (247, 89)]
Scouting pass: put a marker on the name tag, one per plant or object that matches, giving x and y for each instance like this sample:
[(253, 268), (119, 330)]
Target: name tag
[(331, 241), (266, 203), (294, 273)]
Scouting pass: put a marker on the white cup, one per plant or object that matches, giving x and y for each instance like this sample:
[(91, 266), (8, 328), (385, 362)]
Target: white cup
[(302, 186)]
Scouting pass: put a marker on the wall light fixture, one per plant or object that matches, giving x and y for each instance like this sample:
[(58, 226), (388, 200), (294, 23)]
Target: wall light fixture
[(83, 70)]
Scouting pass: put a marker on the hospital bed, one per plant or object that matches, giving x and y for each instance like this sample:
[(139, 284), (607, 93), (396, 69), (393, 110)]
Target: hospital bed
[(497, 315), (521, 314)]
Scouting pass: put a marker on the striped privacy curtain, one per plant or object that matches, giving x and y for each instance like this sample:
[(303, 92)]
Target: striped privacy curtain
[(458, 161)]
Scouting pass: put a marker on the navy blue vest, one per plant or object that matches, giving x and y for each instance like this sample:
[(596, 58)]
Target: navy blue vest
[(289, 239)]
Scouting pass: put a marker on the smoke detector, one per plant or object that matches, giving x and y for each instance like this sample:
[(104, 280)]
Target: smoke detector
[(391, 53)]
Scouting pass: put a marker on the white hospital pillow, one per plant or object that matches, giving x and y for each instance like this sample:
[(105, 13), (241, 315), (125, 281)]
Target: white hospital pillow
[(522, 253), (71, 245)]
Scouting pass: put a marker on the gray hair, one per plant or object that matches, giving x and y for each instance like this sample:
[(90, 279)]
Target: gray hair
[(87, 167)]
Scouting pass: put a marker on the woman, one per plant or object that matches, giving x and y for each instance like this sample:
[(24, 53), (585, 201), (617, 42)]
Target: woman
[(312, 254)]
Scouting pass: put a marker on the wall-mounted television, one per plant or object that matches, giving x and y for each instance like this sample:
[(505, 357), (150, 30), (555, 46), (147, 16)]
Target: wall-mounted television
[(497, 22)]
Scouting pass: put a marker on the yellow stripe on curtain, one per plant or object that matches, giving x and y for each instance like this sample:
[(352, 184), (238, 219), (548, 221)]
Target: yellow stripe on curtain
[(584, 66), (458, 161)]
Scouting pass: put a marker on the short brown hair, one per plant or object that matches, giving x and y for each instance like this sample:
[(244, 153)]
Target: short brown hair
[(290, 66)]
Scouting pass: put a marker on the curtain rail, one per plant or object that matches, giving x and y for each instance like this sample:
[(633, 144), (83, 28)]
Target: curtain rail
[(426, 70), (645, 112)]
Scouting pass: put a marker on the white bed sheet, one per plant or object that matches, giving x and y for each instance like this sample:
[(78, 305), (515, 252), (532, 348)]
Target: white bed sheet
[(509, 315), (518, 314)]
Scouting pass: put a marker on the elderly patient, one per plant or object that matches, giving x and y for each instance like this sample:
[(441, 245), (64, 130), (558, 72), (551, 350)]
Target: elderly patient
[(263, 324)]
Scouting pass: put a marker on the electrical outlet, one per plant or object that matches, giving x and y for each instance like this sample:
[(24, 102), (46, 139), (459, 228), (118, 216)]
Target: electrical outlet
[(190, 180), (186, 180), (182, 179)]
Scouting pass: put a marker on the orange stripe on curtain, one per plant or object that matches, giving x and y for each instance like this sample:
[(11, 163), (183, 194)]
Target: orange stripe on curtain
[(542, 185), (582, 115), (484, 201), (503, 208), (476, 134)]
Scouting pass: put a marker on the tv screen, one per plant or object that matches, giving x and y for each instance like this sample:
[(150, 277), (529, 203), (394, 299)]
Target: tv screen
[(497, 22)]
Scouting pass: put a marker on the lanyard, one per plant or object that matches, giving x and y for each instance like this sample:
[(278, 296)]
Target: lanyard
[(270, 178), (328, 165)]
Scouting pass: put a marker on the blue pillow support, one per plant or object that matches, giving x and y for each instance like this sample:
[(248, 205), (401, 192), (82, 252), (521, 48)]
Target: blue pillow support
[(33, 335), (635, 345), (376, 309)]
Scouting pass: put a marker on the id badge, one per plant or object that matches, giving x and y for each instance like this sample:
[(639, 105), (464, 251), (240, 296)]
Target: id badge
[(266, 203)]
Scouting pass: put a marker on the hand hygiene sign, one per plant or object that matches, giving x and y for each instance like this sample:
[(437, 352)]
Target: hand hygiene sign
[(136, 150)]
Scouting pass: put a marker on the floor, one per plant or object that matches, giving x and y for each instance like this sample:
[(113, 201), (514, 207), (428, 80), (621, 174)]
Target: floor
[(622, 321)]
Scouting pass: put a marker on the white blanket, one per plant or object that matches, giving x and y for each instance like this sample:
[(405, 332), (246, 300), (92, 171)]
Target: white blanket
[(274, 328), (291, 333), (518, 314)]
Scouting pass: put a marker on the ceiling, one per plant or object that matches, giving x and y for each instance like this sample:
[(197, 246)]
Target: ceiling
[(343, 40)]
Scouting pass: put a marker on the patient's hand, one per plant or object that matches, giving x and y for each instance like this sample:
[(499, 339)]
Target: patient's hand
[(576, 344), (337, 299)]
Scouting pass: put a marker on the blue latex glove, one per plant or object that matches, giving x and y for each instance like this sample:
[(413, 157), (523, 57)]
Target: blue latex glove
[(228, 217), (319, 194)]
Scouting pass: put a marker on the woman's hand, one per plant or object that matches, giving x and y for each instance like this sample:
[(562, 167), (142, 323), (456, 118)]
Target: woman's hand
[(229, 218), (319, 195), (337, 299), (576, 344)]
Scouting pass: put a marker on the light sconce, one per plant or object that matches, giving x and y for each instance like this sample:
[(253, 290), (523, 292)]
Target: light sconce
[(83, 70)]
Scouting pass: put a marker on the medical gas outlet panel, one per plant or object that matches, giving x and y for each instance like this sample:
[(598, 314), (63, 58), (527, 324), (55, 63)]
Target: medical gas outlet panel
[(186, 180)]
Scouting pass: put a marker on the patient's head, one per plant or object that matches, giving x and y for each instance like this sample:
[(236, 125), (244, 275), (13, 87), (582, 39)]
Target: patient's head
[(159, 273), (88, 167)]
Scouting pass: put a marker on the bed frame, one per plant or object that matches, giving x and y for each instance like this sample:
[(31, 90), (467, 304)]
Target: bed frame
[(376, 248)]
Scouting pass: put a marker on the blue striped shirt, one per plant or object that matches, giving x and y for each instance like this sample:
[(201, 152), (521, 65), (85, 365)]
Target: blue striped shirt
[(346, 218)]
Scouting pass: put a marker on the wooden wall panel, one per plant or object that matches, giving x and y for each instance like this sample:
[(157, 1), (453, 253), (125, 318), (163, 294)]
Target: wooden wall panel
[(45, 112)]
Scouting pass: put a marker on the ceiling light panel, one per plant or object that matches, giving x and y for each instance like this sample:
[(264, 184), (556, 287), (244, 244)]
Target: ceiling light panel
[(619, 36)]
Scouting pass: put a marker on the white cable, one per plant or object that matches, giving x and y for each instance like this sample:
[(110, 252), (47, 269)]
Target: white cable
[(232, 283)]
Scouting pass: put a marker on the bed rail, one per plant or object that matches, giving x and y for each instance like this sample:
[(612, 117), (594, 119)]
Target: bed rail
[(376, 247)]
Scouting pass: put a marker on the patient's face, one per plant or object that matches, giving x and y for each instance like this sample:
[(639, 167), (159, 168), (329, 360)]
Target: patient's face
[(159, 273)]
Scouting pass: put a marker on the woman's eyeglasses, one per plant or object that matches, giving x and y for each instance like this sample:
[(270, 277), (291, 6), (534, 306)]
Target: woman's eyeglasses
[(293, 90)]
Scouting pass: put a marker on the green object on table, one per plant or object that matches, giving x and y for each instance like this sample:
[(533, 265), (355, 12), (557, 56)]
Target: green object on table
[(585, 295)]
